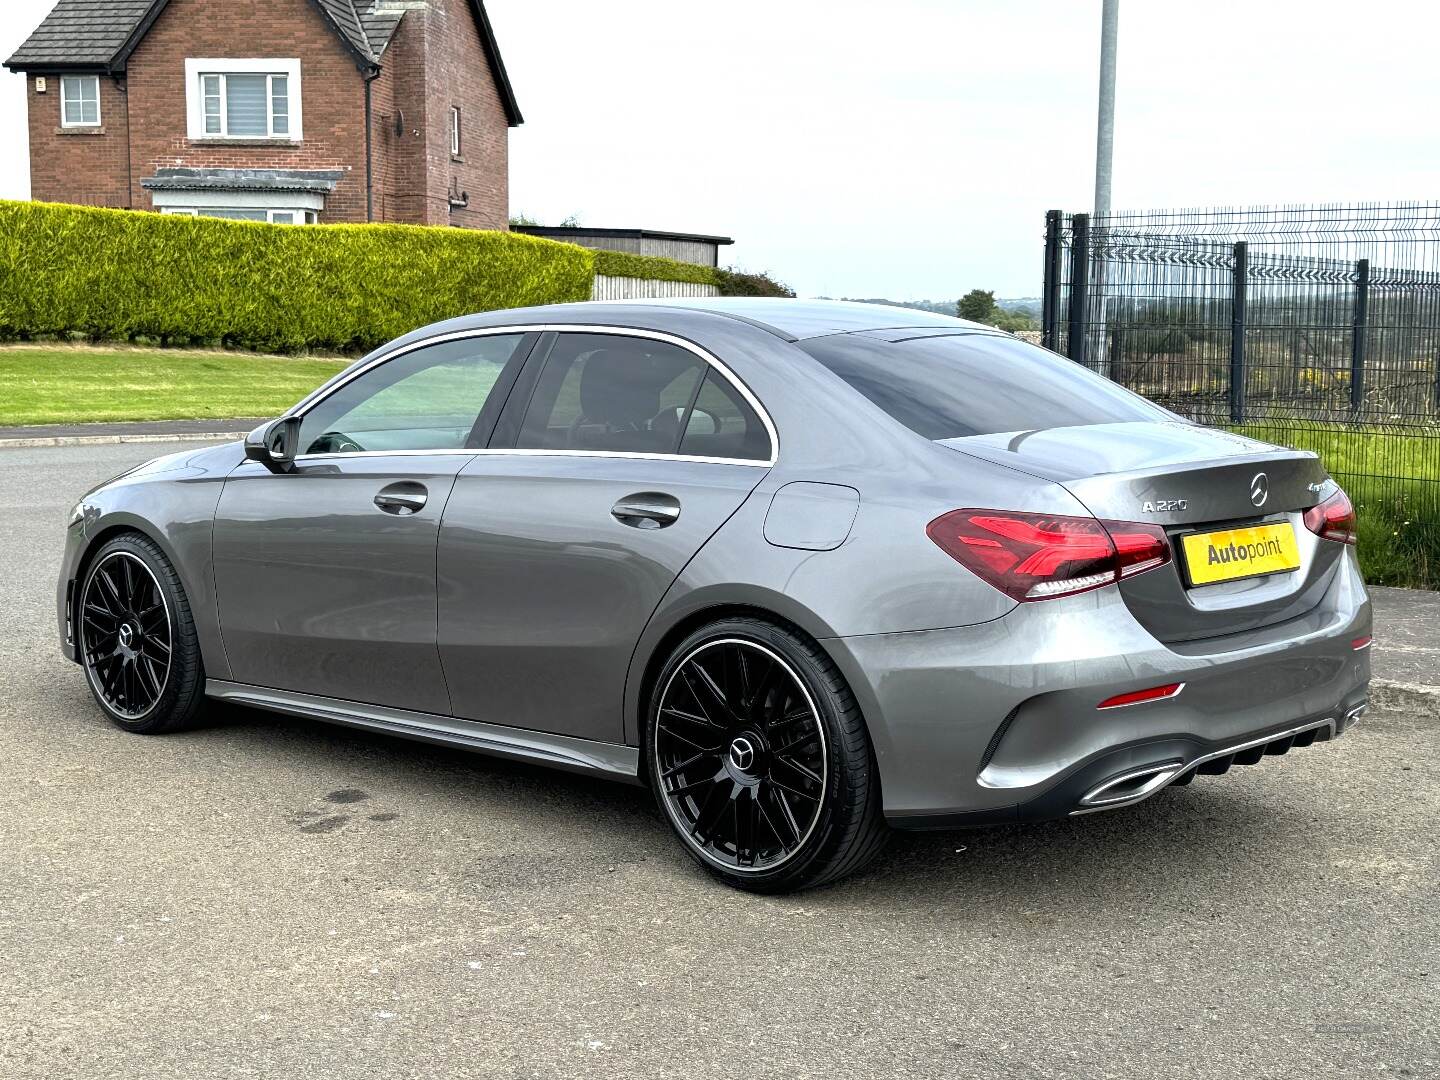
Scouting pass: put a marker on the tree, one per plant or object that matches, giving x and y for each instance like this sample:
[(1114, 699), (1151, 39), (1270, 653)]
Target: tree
[(978, 306)]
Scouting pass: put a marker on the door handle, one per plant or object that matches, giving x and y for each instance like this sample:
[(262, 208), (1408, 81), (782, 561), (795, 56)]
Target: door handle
[(647, 510), (404, 498)]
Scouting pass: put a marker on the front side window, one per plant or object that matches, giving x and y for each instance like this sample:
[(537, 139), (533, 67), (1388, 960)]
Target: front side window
[(243, 99), (455, 132), (428, 399), (954, 386), (631, 395), (80, 101)]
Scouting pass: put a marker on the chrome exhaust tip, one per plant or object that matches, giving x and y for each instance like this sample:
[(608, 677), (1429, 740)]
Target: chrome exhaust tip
[(1130, 786)]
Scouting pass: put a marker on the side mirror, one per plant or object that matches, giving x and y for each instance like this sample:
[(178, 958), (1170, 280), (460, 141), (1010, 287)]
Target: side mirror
[(275, 444)]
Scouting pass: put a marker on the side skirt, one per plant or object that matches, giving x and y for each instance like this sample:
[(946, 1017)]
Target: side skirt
[(610, 760)]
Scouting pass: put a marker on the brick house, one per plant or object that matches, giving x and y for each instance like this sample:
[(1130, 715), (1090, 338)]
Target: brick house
[(292, 111)]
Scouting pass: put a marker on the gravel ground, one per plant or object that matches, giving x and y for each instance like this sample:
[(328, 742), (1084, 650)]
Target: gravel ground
[(272, 897)]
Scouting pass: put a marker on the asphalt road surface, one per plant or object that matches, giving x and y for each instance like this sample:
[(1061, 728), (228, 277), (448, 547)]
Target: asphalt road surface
[(277, 898)]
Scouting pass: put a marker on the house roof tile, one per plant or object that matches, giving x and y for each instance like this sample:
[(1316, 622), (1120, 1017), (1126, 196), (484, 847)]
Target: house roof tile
[(82, 32), (100, 34)]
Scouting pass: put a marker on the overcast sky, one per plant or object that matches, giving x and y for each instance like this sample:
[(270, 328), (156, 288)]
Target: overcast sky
[(910, 149)]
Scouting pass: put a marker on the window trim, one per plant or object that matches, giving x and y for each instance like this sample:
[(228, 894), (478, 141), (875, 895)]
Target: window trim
[(302, 213), (198, 67), (456, 144), (65, 122), (712, 362)]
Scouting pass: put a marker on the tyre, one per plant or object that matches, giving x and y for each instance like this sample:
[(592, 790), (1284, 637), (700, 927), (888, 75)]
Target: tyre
[(759, 758), (137, 638)]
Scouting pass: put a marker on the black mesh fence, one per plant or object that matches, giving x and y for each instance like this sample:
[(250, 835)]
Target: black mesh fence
[(1309, 326)]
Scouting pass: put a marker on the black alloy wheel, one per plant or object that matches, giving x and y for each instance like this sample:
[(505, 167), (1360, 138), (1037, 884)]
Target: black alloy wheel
[(759, 758), (137, 638), (126, 636)]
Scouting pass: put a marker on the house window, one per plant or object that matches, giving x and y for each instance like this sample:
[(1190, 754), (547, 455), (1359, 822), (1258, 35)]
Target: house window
[(243, 99), (274, 217), (80, 101), (454, 131)]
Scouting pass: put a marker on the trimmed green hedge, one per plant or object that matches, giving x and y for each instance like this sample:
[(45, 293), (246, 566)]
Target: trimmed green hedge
[(117, 274), (623, 264), (728, 282)]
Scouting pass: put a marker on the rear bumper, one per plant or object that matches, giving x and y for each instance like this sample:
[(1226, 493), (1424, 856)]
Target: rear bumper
[(998, 722)]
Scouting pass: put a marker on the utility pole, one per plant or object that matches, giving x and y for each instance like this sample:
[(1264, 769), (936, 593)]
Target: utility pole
[(1104, 158), (1105, 124)]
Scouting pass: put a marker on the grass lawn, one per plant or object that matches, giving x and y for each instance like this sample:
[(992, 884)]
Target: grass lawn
[(59, 384), (1393, 478)]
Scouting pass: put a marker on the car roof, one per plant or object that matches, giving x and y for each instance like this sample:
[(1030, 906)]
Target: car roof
[(800, 319)]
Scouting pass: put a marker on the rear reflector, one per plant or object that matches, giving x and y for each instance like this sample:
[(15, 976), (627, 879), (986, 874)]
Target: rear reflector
[(1333, 519), (1039, 556), (1136, 697), (1361, 643)]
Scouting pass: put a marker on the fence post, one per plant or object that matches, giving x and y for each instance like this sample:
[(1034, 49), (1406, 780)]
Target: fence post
[(1358, 334), (1050, 299), (1079, 286), (1237, 337)]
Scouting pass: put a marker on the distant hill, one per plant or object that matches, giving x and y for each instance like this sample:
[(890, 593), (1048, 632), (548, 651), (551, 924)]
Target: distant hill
[(1023, 305)]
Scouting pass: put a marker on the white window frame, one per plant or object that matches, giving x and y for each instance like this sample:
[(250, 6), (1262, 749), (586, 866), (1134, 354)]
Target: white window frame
[(297, 216), (196, 67), (455, 143), (306, 206), (65, 121)]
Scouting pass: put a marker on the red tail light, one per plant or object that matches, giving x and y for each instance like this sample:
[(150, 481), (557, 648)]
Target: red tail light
[(1037, 556), (1333, 519)]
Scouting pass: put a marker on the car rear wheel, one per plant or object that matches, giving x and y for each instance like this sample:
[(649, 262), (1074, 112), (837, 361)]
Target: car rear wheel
[(760, 760), (137, 638)]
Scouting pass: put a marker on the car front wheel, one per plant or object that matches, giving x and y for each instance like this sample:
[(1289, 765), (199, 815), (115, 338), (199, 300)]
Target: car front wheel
[(137, 638), (759, 758)]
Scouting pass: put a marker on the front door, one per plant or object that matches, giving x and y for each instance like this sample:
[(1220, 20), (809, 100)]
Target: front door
[(555, 551), (325, 575)]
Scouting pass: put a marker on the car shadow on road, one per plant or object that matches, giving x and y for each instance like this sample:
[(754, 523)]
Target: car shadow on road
[(1180, 834)]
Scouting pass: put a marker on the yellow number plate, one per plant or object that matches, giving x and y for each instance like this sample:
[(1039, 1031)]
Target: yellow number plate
[(1240, 553)]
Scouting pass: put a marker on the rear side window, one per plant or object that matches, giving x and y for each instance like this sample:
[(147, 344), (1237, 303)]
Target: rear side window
[(611, 393), (628, 395), (723, 425), (976, 384)]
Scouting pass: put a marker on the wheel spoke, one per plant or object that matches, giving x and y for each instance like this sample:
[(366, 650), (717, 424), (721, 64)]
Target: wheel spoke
[(770, 823), (110, 674), (793, 791), (745, 828), (756, 705), (146, 667), (789, 763), (689, 717), (696, 785), (785, 811), (155, 643), (794, 744), (127, 579), (708, 695), (792, 717), (96, 611), (687, 763), (109, 594), (710, 810)]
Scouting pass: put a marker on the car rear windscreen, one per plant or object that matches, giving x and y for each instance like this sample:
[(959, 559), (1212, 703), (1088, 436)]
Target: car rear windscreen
[(976, 384)]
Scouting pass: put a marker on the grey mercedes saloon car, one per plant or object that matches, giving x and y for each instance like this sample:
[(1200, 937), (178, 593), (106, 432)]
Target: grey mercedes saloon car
[(808, 570)]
